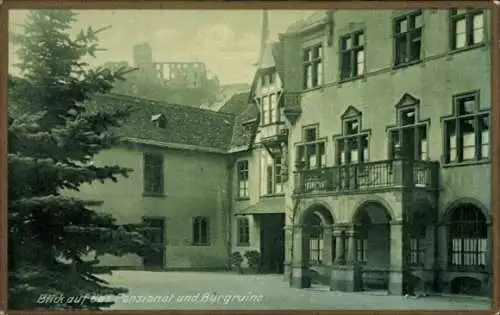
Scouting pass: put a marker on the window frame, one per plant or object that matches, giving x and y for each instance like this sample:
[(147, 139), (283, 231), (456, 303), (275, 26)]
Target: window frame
[(400, 127), (153, 174), (352, 53), (269, 110), (456, 118), (468, 15), (316, 63), (273, 177), (243, 235), (316, 253), (343, 138), (417, 245), (317, 142), (242, 171), (362, 246), (479, 228), (199, 238), (411, 32)]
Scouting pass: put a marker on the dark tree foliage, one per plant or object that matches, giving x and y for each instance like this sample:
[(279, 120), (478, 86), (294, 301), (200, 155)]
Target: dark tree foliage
[(55, 239)]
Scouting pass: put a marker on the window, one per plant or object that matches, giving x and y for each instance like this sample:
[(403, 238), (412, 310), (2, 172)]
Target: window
[(272, 168), (312, 151), (417, 245), (409, 135), (468, 237), (159, 120), (266, 110), (243, 179), (467, 27), (269, 99), (200, 231), (352, 56), (407, 38), (153, 174), (352, 146), (315, 231), (467, 134), (362, 248), (313, 66), (243, 232), (273, 108)]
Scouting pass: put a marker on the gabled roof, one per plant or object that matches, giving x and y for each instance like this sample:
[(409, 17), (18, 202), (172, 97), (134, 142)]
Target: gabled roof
[(246, 121), (237, 104), (225, 94), (184, 125)]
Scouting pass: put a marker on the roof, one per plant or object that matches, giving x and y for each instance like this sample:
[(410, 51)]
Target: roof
[(185, 125), (265, 205), (267, 60), (225, 94), (245, 127), (236, 104), (314, 19)]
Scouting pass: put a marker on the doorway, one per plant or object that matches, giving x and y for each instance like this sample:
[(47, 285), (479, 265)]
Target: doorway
[(272, 242), (154, 233)]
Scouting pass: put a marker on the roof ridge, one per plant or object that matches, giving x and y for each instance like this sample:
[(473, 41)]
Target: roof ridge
[(185, 107)]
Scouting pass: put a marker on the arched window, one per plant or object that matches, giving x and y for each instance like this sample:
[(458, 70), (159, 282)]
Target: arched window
[(315, 231), (200, 231), (468, 237)]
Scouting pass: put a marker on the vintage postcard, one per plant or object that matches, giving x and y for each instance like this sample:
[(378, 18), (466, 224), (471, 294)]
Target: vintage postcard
[(250, 159)]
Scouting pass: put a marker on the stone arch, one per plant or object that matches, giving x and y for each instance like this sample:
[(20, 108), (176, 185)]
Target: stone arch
[(372, 246), (314, 239), (373, 200), (320, 208), (454, 204)]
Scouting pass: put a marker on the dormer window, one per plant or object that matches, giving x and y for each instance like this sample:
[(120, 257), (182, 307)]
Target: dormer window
[(159, 120)]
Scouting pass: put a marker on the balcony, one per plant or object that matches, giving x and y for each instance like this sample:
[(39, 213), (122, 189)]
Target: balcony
[(372, 176), (273, 137)]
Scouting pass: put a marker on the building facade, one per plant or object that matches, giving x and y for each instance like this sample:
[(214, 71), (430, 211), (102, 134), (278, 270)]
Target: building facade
[(359, 159), (385, 119)]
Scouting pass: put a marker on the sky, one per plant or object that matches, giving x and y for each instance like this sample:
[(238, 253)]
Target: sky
[(227, 41)]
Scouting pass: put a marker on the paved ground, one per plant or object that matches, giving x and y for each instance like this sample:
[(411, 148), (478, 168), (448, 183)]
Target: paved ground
[(210, 291)]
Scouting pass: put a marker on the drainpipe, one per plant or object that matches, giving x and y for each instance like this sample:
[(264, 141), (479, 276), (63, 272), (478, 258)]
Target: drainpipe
[(229, 218)]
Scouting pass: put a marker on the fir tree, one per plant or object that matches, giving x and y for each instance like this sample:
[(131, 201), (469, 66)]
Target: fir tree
[(55, 240)]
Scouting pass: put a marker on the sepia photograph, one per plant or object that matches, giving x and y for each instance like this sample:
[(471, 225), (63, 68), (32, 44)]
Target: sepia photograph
[(250, 159)]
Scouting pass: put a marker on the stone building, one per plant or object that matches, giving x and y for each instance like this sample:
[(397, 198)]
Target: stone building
[(360, 158), (180, 82), (389, 123)]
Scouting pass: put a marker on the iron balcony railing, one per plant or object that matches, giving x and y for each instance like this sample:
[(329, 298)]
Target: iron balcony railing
[(368, 176)]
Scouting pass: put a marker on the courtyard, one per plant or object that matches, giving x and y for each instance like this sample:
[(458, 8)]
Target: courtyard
[(224, 290)]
